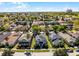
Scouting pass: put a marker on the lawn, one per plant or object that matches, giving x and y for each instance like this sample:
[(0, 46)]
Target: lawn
[(48, 42), (7, 25), (15, 47), (66, 46), (33, 43), (21, 50)]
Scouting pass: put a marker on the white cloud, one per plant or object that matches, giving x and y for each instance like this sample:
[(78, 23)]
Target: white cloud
[(1, 3), (17, 7), (39, 9), (17, 2), (25, 7)]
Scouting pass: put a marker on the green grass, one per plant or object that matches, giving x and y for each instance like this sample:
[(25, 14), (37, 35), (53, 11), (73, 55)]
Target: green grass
[(21, 50), (66, 46), (48, 42), (33, 43)]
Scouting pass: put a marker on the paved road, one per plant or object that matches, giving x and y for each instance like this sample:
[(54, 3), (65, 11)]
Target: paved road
[(19, 54), (42, 54), (1, 53), (34, 54), (74, 53)]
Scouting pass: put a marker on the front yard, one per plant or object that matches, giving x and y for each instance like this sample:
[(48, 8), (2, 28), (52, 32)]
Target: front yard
[(38, 50), (48, 42)]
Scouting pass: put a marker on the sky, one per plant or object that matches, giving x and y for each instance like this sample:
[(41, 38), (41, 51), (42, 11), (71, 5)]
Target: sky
[(38, 6)]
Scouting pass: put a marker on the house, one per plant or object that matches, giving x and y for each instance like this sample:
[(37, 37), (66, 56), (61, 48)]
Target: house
[(67, 38), (41, 40), (70, 26), (25, 41), (53, 36), (21, 22), (13, 25), (51, 23), (67, 19), (38, 23), (56, 42), (12, 38), (21, 28), (4, 35), (74, 34)]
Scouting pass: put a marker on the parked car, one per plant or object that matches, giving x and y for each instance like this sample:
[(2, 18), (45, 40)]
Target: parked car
[(69, 51), (77, 50), (28, 53)]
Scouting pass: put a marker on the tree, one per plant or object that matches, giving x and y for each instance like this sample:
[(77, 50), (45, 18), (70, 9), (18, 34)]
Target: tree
[(77, 42), (59, 28), (45, 46), (62, 28), (36, 29), (55, 28), (56, 18), (7, 52), (2, 28), (60, 52), (37, 46), (76, 24), (6, 19)]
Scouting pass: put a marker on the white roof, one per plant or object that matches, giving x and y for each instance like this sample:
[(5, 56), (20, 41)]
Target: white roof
[(66, 36)]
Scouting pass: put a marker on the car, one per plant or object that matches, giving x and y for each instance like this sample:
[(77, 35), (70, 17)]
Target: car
[(77, 50), (28, 53), (69, 51)]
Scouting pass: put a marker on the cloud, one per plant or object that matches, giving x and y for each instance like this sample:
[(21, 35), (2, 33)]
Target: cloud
[(49, 9), (26, 7), (0, 3), (17, 7)]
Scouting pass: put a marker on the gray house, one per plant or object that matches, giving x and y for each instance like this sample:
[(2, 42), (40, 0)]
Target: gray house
[(53, 36), (41, 40)]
